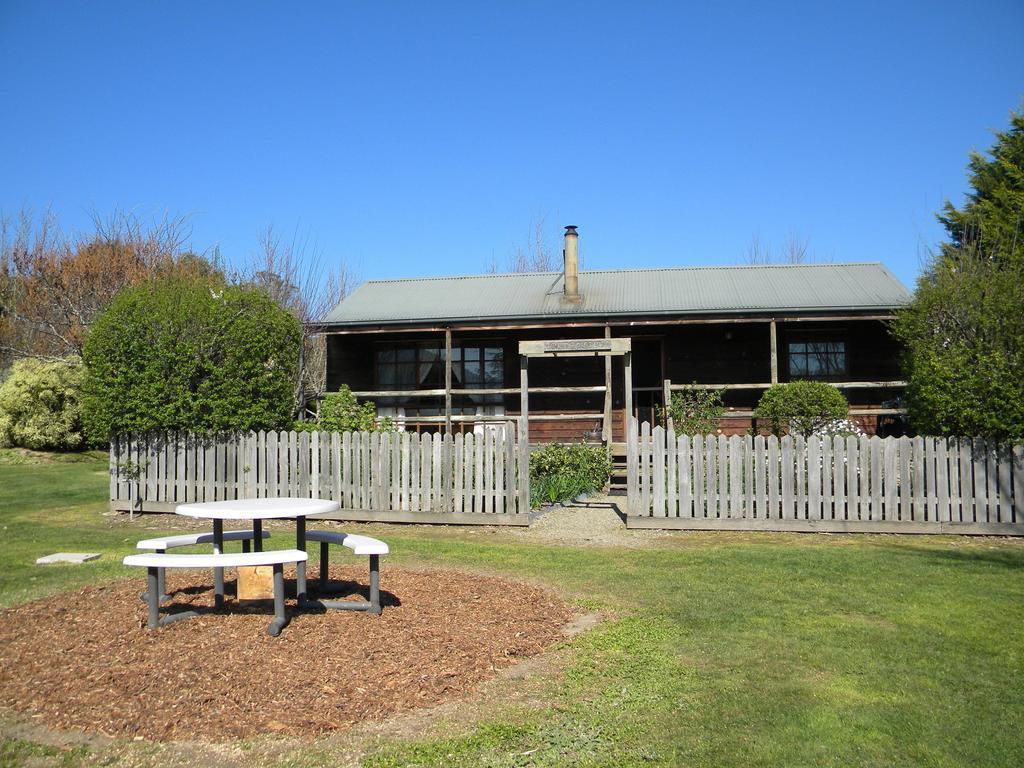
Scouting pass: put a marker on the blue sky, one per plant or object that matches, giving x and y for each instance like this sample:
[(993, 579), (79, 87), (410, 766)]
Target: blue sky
[(423, 138)]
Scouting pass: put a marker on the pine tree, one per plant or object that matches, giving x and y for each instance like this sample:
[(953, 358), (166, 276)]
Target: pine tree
[(964, 330)]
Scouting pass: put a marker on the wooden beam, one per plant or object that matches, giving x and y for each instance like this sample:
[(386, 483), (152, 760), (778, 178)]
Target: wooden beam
[(773, 330), (748, 414), (495, 391), (422, 518), (566, 416), (574, 347), (524, 435), (606, 423), (524, 396), (896, 384), (832, 526), (840, 384), (601, 322), (627, 365), (400, 393), (447, 381)]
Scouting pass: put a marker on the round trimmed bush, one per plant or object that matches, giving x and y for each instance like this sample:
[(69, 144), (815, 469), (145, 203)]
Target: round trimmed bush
[(190, 354), (40, 406), (801, 407)]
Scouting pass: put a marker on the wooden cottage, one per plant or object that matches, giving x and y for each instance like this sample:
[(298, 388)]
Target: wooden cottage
[(445, 353)]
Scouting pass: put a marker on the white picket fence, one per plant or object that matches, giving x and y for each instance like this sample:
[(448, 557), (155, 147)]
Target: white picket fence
[(387, 476), (912, 485)]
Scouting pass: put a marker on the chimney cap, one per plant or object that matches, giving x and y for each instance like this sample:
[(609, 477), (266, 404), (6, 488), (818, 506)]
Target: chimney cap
[(570, 229)]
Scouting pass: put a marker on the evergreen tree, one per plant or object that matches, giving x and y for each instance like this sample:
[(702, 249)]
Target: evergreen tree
[(964, 330)]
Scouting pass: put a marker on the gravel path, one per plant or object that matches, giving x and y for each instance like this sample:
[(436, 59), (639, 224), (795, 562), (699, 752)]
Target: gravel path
[(597, 522)]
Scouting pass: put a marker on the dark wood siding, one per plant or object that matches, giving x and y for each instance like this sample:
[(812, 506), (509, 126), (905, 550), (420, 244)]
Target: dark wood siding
[(713, 353)]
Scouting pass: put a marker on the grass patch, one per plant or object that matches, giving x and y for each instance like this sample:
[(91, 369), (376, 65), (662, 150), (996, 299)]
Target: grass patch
[(18, 752), (723, 649), (21, 456)]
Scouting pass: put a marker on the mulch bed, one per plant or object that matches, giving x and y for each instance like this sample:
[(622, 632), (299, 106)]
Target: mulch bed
[(85, 660)]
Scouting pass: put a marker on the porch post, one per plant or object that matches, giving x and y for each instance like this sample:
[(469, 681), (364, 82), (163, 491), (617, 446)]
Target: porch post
[(524, 436), (627, 364), (666, 399), (447, 381), (606, 427), (775, 353)]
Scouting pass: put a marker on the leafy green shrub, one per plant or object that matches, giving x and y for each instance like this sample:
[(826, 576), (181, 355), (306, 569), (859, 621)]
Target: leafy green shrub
[(695, 411), (40, 405), (801, 407), (342, 412), (559, 472), (190, 354)]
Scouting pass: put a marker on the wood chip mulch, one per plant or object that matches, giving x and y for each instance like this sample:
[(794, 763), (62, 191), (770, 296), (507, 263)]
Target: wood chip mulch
[(84, 660)]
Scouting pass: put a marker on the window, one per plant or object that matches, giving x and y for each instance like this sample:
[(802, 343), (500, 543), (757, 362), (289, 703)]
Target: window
[(817, 359), (421, 366), (478, 367), (410, 366)]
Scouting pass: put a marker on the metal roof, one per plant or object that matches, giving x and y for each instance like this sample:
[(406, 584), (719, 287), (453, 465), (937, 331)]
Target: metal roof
[(676, 291)]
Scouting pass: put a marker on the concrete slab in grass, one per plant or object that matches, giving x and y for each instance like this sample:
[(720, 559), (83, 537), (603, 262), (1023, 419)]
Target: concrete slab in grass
[(67, 557)]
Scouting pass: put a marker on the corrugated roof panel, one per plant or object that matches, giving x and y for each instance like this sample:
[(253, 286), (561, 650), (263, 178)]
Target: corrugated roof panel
[(685, 290)]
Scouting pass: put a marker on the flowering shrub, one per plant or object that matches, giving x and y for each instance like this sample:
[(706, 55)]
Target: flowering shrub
[(39, 406), (801, 407), (840, 428)]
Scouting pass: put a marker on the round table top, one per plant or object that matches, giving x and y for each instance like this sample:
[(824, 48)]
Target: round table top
[(257, 509)]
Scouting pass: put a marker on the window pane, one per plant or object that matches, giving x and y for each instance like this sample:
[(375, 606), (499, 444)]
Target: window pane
[(456, 353), (386, 375), (797, 366), (493, 373), (406, 355), (797, 348), (406, 375), (386, 355), (425, 371), (471, 353), (472, 374), (430, 353), (492, 353)]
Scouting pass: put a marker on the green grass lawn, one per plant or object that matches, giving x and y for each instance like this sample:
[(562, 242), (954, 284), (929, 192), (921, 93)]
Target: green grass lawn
[(720, 649)]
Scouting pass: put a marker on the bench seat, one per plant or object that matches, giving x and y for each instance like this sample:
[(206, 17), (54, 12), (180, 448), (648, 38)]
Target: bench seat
[(163, 543), (156, 562), (192, 539), (360, 545), (223, 560)]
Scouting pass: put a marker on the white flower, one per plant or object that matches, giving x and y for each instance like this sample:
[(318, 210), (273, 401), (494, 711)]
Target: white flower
[(843, 427)]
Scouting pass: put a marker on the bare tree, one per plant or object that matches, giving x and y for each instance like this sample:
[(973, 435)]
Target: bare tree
[(793, 251), (536, 254), (295, 275), (53, 287)]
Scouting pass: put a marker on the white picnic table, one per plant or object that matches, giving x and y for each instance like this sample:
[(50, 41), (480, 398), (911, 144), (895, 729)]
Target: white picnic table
[(258, 510)]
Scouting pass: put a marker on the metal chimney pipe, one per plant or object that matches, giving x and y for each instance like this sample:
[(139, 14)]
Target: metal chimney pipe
[(571, 256)]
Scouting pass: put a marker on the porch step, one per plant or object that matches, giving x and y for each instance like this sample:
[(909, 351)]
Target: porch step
[(617, 481)]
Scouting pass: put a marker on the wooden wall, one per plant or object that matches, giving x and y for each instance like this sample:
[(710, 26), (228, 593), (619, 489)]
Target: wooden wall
[(720, 353)]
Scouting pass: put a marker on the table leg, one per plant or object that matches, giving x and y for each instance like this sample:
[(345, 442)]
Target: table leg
[(325, 565), (153, 597), (300, 568), (280, 617), (218, 573), (257, 535)]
